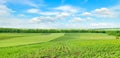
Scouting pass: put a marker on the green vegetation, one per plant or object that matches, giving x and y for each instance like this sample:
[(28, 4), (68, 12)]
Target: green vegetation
[(54, 43), (59, 45), (114, 33), (14, 30), (13, 39)]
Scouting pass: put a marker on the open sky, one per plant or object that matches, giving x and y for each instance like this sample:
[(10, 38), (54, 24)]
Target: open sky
[(60, 14)]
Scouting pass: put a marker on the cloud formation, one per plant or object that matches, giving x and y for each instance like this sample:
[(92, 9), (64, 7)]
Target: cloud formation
[(4, 10), (86, 14), (57, 13), (67, 8), (43, 19), (104, 25), (104, 12), (56, 16)]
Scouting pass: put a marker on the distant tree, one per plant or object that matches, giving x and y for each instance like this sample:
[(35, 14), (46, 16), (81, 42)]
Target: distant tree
[(114, 33), (16, 30)]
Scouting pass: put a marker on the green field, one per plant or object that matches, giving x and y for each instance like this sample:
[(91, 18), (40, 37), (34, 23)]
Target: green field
[(58, 45)]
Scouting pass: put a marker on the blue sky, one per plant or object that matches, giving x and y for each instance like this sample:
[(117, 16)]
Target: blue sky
[(60, 14)]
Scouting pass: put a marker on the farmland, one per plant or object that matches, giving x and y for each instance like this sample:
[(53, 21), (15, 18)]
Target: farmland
[(59, 45)]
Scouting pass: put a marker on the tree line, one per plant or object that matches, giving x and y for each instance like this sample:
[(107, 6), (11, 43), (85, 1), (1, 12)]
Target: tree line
[(114, 33), (15, 30)]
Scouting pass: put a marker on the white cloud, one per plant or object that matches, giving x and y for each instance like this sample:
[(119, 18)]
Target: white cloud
[(42, 19), (104, 13), (62, 15), (33, 11), (55, 11), (86, 14), (116, 10), (77, 19), (2, 1), (99, 24), (5, 11), (21, 15), (13, 22), (30, 3), (48, 13), (23, 2), (108, 13), (89, 19), (49, 18), (67, 8), (60, 12), (104, 25), (116, 7), (38, 11)]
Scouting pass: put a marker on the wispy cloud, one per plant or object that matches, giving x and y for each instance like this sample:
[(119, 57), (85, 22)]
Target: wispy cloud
[(24, 2), (67, 8), (2, 1), (104, 25), (57, 13), (5, 10)]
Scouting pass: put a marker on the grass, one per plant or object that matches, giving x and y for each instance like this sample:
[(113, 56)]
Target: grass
[(60, 45), (22, 39)]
